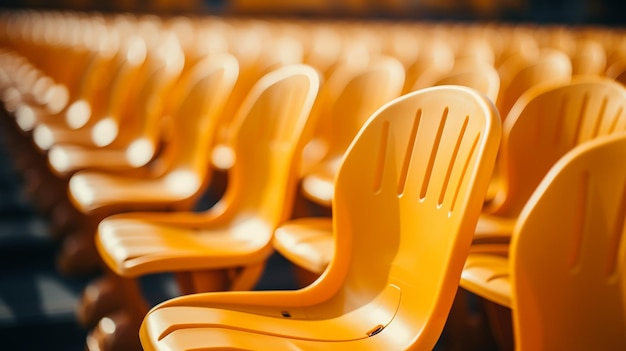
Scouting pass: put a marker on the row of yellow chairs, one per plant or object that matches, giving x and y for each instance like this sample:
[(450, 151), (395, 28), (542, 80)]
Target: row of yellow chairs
[(148, 143)]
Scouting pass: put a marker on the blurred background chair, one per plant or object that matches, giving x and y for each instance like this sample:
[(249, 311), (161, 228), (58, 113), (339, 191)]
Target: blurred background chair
[(226, 246), (545, 123), (175, 179)]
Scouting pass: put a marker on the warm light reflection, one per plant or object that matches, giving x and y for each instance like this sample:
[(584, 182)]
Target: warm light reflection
[(322, 188), (171, 54), (182, 182), (43, 137), (78, 114), (80, 190), (25, 117), (107, 325), (104, 132), (57, 98), (251, 230), (59, 159), (223, 157), (140, 152), (12, 99), (41, 87), (136, 51)]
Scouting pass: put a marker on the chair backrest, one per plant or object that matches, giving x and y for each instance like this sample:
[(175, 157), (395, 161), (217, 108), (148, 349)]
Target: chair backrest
[(253, 66), (362, 94), (408, 195), (200, 97), (436, 57), (544, 124), (479, 75), (617, 71), (550, 66), (134, 116), (98, 83), (270, 130), (589, 58), (568, 254)]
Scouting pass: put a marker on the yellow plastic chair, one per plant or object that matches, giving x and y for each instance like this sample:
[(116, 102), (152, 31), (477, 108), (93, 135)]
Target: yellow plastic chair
[(346, 101), (564, 279), (551, 66), (65, 67), (547, 121), (436, 57), (174, 180), (127, 137), (419, 166), (308, 243), (358, 93), (102, 79), (225, 247), (123, 136), (617, 71), (477, 75), (589, 58), (253, 65)]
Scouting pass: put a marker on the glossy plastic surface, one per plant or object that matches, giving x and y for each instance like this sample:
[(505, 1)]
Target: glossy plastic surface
[(408, 195), (564, 280), (351, 96), (546, 122), (360, 93), (181, 169), (551, 66), (308, 242), (236, 232), (132, 115), (478, 75)]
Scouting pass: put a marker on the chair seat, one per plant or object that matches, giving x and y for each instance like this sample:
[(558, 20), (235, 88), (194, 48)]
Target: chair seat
[(307, 242), (186, 327), (319, 184), (28, 117), (133, 247), (48, 134), (90, 191), (493, 229), (66, 159), (488, 276)]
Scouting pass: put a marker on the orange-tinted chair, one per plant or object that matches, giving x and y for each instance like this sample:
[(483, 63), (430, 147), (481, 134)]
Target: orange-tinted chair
[(408, 194), (132, 125), (436, 57), (174, 180), (225, 247), (310, 247), (357, 94), (551, 66), (477, 75), (545, 123), (589, 58), (564, 278)]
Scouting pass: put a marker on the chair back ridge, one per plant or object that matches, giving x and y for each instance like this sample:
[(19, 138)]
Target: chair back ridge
[(128, 79), (196, 116), (97, 86), (270, 129), (140, 111), (478, 75), (547, 122), (552, 65), (360, 98), (568, 253)]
